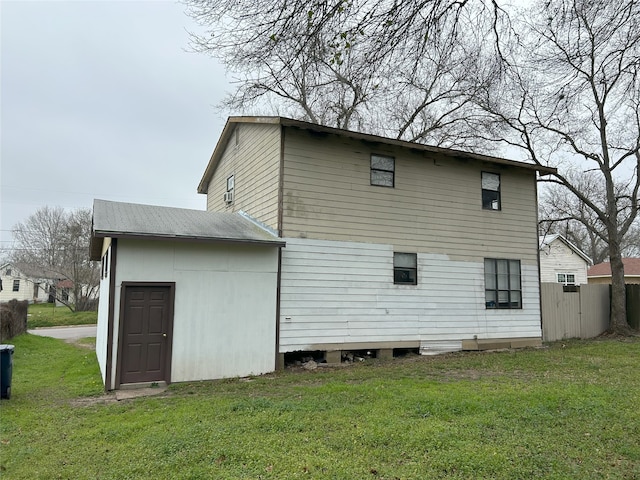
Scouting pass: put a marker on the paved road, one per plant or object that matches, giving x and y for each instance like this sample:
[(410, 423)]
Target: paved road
[(66, 333)]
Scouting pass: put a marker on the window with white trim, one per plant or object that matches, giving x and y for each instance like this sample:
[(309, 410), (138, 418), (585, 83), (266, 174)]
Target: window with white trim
[(16, 285), (567, 278), (502, 283)]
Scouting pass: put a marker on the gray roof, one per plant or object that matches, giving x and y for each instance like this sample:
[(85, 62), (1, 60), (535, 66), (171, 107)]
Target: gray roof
[(131, 220)]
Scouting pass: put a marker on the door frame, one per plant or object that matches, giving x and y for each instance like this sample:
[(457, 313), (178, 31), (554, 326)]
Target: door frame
[(172, 297)]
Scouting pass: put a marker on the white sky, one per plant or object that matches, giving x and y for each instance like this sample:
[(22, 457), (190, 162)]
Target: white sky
[(101, 99)]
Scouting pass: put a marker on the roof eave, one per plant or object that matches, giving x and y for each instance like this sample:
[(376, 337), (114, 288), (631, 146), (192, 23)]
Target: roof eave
[(289, 122), (186, 238), (228, 129)]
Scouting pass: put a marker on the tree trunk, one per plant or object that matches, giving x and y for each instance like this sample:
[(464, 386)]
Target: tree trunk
[(618, 322)]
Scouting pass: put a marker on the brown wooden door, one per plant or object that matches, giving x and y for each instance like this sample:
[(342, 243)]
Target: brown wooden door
[(146, 339)]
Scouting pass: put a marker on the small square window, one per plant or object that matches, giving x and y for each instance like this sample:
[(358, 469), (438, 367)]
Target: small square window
[(405, 268), (16, 285), (383, 171), (490, 191)]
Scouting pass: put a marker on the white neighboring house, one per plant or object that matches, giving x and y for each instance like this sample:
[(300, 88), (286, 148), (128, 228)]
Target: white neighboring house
[(561, 261), (19, 286)]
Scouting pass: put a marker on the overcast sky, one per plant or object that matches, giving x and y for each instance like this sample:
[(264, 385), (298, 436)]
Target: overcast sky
[(101, 99)]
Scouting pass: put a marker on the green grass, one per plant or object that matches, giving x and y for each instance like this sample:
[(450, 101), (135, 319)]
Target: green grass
[(48, 315), (568, 411)]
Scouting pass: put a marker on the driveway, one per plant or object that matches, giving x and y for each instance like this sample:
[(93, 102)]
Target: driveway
[(66, 333)]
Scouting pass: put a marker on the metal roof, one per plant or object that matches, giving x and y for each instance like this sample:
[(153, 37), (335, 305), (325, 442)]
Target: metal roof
[(132, 220), (289, 122)]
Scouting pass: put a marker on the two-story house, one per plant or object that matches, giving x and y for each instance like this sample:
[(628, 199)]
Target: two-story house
[(389, 244), (318, 239)]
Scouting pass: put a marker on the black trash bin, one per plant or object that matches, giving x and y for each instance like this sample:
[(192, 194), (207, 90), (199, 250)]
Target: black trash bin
[(6, 369)]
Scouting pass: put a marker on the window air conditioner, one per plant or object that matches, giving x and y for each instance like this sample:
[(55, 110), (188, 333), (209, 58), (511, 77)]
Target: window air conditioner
[(228, 197)]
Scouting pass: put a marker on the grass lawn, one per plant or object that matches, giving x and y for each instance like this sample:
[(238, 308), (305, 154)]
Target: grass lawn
[(48, 315), (567, 411)]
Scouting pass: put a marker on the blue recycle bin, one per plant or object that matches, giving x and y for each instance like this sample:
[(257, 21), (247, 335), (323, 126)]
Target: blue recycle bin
[(6, 370)]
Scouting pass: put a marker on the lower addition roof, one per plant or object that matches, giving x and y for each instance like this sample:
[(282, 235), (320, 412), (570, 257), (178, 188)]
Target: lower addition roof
[(132, 220)]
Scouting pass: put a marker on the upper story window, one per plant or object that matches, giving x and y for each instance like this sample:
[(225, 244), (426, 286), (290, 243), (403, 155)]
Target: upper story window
[(405, 268), (502, 283), (228, 195), (491, 191), (383, 170), (567, 278), (16, 285), (8, 272)]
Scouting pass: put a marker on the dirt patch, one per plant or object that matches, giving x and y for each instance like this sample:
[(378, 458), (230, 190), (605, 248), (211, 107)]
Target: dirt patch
[(120, 396)]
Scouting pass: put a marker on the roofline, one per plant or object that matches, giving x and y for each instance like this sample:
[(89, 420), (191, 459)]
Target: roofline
[(289, 122), (571, 246), (631, 275), (181, 238)]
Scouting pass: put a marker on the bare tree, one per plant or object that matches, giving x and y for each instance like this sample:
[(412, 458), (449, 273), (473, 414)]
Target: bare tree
[(562, 212), (54, 244), (405, 70), (560, 82), (570, 95)]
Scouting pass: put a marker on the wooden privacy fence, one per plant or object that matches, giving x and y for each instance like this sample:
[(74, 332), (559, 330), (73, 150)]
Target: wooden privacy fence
[(633, 306), (583, 313)]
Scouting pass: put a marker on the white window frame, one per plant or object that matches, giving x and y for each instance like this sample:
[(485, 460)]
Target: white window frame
[(563, 278)]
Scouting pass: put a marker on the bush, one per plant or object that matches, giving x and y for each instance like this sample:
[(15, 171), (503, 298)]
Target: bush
[(13, 319)]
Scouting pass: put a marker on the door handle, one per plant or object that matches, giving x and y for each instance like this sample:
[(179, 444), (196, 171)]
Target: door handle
[(164, 335)]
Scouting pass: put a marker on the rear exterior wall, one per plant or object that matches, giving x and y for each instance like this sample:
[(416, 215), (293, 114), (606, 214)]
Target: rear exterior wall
[(435, 206), (225, 304), (337, 287), (252, 156)]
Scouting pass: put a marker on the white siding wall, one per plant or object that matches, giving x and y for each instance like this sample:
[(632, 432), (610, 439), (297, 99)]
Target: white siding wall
[(335, 293), (25, 290), (559, 258), (225, 304), (103, 320)]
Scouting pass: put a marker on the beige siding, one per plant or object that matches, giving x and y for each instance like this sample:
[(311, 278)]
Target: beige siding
[(580, 314), (435, 206), (255, 162), (559, 258)]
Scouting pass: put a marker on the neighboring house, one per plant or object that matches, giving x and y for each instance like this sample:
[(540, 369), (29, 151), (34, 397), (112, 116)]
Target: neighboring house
[(64, 292), (561, 261), (18, 285), (601, 272), (389, 245), (184, 294)]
